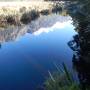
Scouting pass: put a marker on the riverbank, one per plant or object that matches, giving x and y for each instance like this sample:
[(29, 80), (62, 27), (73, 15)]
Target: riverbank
[(18, 13)]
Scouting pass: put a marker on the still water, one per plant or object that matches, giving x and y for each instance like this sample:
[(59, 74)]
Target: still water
[(26, 56)]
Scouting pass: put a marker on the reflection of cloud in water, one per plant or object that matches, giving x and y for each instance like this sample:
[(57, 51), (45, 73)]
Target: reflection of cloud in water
[(46, 21), (58, 25), (42, 24)]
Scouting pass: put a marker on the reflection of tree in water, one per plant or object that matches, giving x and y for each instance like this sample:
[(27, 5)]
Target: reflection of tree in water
[(12, 33), (80, 12)]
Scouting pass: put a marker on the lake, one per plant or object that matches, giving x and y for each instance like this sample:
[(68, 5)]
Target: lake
[(27, 53)]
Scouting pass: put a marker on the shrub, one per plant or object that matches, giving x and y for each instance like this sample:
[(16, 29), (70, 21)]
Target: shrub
[(45, 12), (13, 19), (10, 19), (57, 8), (34, 14), (27, 17)]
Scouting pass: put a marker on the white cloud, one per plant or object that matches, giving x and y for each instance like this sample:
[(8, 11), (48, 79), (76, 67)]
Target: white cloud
[(57, 25)]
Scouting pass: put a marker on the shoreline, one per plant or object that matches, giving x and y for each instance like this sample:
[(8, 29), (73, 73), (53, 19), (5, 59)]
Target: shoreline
[(22, 12)]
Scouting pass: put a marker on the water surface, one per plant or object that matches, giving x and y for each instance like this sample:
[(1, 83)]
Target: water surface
[(25, 58)]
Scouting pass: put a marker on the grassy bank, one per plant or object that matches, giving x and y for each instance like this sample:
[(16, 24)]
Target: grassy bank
[(18, 13), (62, 79)]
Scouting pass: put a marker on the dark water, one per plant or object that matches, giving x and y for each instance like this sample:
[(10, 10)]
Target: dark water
[(24, 62)]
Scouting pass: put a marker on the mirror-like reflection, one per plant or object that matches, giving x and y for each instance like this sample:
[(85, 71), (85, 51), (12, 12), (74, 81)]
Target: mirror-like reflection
[(12, 33), (24, 63)]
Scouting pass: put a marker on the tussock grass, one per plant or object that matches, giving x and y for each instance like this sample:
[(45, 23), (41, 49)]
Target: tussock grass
[(19, 13), (61, 80)]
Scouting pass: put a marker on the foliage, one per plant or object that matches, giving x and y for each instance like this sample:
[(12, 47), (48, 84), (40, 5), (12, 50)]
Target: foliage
[(10, 19), (61, 80), (27, 17), (57, 7), (80, 13), (45, 12)]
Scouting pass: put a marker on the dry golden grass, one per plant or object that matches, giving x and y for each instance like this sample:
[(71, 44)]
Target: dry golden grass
[(14, 7), (12, 12)]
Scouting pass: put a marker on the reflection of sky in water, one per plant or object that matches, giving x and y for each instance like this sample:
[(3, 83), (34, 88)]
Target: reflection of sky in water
[(57, 25), (25, 62)]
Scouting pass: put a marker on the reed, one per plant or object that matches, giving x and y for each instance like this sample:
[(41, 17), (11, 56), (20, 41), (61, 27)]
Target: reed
[(61, 80)]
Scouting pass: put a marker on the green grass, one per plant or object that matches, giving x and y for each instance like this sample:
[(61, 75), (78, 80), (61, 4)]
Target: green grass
[(61, 80)]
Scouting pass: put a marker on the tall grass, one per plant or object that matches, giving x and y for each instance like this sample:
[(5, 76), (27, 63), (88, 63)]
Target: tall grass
[(17, 15), (61, 80)]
